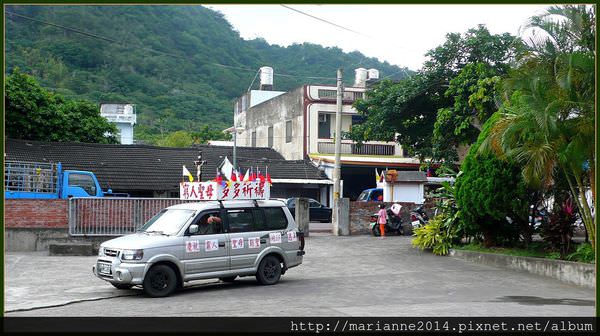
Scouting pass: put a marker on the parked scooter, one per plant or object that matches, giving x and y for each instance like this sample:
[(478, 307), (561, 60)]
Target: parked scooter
[(538, 216), (393, 224), (418, 217)]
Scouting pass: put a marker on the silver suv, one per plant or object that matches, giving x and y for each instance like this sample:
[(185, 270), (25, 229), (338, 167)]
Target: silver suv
[(210, 239)]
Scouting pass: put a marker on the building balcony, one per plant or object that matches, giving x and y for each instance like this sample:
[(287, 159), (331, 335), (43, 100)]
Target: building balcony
[(349, 147), (347, 96), (121, 118)]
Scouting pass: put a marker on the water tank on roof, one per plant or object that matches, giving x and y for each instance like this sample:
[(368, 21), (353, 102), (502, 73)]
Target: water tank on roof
[(373, 74), (266, 78), (360, 77)]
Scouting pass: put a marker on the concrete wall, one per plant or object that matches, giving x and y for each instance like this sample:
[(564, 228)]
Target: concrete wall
[(31, 225), (580, 274), (276, 112)]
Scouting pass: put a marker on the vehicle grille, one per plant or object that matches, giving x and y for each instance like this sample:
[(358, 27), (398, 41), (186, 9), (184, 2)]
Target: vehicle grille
[(110, 253)]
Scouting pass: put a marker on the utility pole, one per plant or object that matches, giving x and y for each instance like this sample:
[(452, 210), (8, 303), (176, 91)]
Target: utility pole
[(234, 147), (338, 149)]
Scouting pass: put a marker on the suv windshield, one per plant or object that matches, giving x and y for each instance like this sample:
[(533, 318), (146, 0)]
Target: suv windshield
[(168, 221)]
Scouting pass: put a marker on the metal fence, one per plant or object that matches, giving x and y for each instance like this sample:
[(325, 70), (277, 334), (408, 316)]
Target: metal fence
[(113, 216), (364, 149), (22, 176)]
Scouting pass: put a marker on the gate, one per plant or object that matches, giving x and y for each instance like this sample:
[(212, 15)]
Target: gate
[(113, 216)]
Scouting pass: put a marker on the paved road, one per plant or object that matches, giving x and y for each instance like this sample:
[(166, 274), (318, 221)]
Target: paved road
[(340, 276)]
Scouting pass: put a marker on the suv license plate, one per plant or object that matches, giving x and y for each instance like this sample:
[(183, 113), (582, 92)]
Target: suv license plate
[(104, 268)]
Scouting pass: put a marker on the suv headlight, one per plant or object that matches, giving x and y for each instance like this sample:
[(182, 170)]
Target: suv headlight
[(132, 254), (101, 251)]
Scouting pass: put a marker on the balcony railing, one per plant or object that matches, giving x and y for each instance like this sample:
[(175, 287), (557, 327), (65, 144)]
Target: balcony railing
[(349, 148), (347, 95)]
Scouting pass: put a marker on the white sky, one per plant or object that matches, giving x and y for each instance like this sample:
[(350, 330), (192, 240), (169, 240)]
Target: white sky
[(399, 34)]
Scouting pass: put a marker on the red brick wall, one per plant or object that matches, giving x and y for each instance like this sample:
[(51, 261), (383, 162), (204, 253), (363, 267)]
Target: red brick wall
[(360, 214), (28, 213)]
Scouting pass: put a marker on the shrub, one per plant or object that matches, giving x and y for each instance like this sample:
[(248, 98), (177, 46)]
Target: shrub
[(584, 253), (434, 236), (489, 190)]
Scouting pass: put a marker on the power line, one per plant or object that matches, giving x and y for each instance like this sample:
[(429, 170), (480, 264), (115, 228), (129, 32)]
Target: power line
[(348, 29), (92, 35), (323, 20), (107, 39), (110, 40)]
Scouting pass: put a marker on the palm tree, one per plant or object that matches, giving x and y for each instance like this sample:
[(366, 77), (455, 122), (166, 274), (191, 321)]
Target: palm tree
[(548, 116)]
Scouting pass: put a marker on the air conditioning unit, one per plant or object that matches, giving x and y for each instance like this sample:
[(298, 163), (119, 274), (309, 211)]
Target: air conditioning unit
[(322, 117)]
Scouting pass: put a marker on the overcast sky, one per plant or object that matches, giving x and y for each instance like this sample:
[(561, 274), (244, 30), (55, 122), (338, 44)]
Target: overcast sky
[(399, 34)]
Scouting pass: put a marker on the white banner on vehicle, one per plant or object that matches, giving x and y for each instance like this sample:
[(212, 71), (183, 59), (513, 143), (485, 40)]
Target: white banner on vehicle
[(192, 246), (291, 236), (275, 237), (237, 243), (254, 242), (212, 191), (211, 245)]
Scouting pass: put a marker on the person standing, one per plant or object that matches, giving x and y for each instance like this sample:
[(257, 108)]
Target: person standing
[(382, 219)]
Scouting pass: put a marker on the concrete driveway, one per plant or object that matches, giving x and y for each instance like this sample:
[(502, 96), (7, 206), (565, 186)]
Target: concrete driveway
[(340, 276)]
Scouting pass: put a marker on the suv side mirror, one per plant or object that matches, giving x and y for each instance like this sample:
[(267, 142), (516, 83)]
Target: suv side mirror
[(193, 229)]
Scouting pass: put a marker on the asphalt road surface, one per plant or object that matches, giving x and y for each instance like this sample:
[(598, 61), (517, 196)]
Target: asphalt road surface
[(340, 276)]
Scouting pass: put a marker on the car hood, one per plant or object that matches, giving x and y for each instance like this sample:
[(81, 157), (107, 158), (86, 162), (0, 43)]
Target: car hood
[(140, 241)]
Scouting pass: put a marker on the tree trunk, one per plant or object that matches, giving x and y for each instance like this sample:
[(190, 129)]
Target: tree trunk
[(488, 238), (588, 214), (582, 204), (593, 182)]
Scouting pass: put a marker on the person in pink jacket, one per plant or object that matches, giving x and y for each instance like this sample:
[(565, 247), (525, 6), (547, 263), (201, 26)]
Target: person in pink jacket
[(382, 219)]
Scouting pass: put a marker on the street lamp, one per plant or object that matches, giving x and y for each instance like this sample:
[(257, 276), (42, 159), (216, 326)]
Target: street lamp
[(235, 131)]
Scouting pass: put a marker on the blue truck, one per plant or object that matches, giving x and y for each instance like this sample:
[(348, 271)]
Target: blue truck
[(49, 181)]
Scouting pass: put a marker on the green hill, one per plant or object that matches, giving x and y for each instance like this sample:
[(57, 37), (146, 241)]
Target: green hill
[(182, 65)]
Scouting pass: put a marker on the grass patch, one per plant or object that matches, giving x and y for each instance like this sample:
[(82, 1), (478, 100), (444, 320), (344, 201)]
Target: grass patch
[(535, 249)]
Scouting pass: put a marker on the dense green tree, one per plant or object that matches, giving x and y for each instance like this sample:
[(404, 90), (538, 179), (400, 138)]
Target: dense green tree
[(548, 116), (442, 105), (206, 133), (398, 108), (177, 139), (34, 113), (488, 190)]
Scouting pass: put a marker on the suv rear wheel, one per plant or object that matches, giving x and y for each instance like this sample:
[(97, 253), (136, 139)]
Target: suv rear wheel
[(269, 271), (160, 281)]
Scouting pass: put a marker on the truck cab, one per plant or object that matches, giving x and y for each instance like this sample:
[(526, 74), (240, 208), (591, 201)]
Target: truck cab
[(80, 184)]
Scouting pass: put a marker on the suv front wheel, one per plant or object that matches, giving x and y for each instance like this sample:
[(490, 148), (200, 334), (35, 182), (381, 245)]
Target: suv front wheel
[(269, 271), (160, 281)]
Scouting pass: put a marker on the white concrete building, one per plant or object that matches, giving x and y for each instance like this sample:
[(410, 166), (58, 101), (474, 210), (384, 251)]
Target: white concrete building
[(300, 124), (123, 116)]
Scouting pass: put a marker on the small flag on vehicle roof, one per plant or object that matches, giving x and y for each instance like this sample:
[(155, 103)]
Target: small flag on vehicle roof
[(188, 174)]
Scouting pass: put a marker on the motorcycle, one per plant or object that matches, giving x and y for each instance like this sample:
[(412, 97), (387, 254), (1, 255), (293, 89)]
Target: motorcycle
[(393, 223), (538, 216), (418, 217)]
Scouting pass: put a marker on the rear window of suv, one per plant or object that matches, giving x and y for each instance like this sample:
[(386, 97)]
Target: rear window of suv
[(276, 219), (257, 219)]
